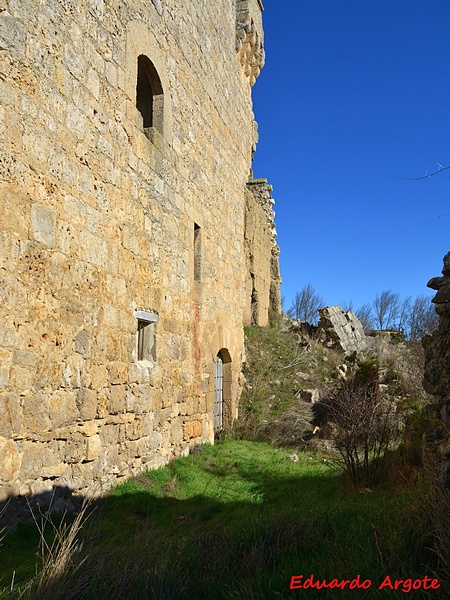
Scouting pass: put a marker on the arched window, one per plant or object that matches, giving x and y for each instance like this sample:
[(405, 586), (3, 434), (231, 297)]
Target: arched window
[(149, 94)]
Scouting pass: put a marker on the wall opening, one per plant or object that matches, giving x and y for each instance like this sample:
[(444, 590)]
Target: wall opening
[(218, 394), (149, 95), (146, 335), (222, 391), (146, 341), (197, 253), (254, 303)]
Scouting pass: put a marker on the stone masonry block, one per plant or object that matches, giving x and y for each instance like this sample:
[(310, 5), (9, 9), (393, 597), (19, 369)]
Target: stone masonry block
[(94, 447), (36, 458), (12, 32), (117, 399), (63, 408), (176, 431), (10, 460), (43, 221), (10, 414), (87, 403)]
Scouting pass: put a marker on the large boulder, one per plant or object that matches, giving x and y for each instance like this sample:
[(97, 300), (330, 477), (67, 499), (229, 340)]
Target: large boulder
[(341, 330)]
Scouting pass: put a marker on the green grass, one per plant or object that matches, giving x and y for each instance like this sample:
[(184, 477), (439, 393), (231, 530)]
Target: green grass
[(236, 520), (277, 369), (273, 383)]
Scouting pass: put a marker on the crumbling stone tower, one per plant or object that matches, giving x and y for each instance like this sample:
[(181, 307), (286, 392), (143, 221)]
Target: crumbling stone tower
[(133, 244)]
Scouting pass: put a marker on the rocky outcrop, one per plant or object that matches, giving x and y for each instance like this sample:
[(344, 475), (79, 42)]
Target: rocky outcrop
[(341, 330), (437, 373)]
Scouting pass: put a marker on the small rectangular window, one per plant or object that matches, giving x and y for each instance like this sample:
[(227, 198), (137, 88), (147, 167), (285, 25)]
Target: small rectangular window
[(146, 341), (197, 253), (146, 327)]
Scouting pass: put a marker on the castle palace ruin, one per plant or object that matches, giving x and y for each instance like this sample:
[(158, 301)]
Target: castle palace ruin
[(134, 241)]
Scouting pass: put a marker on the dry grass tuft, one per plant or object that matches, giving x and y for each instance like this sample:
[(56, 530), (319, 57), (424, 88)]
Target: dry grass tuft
[(62, 574), (292, 428)]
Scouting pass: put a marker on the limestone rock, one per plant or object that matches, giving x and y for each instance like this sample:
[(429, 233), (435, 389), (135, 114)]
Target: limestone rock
[(342, 330), (312, 395), (93, 447), (10, 460)]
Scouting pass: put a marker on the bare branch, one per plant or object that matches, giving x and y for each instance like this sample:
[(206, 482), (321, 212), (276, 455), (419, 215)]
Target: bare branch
[(305, 305), (441, 168)]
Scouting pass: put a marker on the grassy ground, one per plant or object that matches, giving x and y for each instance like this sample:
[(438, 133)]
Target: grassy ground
[(239, 520), (236, 520)]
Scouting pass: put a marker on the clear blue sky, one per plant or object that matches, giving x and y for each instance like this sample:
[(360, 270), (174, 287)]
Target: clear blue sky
[(355, 95)]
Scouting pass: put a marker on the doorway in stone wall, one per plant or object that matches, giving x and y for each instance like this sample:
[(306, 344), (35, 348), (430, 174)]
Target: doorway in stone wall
[(218, 394), (222, 391)]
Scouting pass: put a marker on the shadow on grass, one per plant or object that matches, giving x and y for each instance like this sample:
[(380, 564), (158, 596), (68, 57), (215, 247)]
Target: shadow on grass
[(247, 532)]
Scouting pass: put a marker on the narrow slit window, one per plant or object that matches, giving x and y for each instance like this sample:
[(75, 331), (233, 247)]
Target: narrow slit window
[(144, 96), (197, 253)]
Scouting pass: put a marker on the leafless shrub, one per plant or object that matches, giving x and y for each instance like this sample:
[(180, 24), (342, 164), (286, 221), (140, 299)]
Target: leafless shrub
[(363, 428)]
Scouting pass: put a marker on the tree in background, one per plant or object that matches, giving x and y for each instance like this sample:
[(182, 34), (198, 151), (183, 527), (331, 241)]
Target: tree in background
[(415, 318), (305, 305), (404, 315), (364, 314), (387, 309), (422, 319)]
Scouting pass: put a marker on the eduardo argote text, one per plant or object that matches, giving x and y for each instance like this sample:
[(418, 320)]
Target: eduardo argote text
[(300, 582)]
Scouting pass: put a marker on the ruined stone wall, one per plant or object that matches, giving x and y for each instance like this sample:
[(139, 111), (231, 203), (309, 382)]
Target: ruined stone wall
[(437, 373), (108, 226), (263, 275), (249, 37)]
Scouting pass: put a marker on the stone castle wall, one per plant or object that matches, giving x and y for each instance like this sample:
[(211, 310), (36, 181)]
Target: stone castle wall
[(437, 373), (123, 259), (263, 275)]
